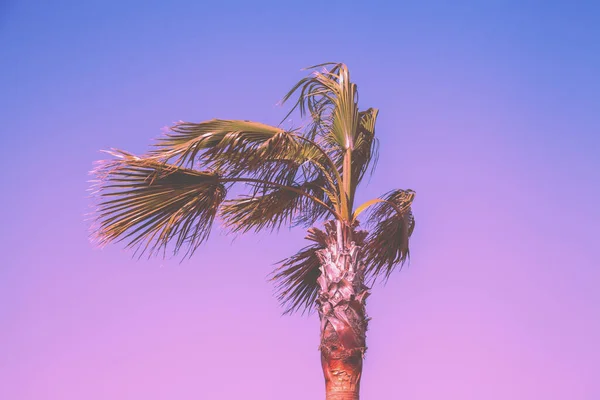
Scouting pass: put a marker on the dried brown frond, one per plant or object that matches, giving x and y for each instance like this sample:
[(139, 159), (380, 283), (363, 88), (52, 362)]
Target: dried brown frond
[(387, 245), (296, 277)]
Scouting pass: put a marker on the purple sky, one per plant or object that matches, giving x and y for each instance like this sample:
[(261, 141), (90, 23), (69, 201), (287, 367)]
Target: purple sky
[(491, 113)]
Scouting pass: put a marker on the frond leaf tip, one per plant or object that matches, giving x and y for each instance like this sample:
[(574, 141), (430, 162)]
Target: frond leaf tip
[(149, 204)]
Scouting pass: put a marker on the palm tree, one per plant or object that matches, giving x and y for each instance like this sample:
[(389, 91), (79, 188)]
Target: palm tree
[(169, 198)]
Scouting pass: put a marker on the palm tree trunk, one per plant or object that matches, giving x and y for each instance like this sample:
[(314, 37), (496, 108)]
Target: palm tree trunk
[(341, 305)]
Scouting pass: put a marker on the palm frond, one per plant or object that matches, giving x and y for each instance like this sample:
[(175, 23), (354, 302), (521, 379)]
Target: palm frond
[(236, 159), (150, 204), (259, 212), (276, 206), (186, 142), (244, 149), (281, 160), (387, 245), (331, 100), (366, 148), (296, 277), (311, 212)]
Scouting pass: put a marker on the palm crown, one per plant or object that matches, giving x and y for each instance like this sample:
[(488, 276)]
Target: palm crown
[(172, 195)]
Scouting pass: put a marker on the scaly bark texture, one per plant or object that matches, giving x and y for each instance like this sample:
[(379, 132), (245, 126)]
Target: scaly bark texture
[(341, 305)]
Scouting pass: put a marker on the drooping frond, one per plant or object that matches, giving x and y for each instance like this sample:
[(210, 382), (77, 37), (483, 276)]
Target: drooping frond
[(365, 153), (392, 225), (296, 277), (272, 207), (257, 212), (312, 211), (149, 204)]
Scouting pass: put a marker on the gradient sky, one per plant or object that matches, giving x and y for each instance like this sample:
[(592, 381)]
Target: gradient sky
[(490, 112)]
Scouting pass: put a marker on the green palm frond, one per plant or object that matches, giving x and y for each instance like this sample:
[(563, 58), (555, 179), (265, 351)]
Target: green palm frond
[(187, 142), (278, 164), (366, 149), (392, 225), (237, 158), (296, 277), (331, 100), (245, 149), (149, 204), (231, 146)]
